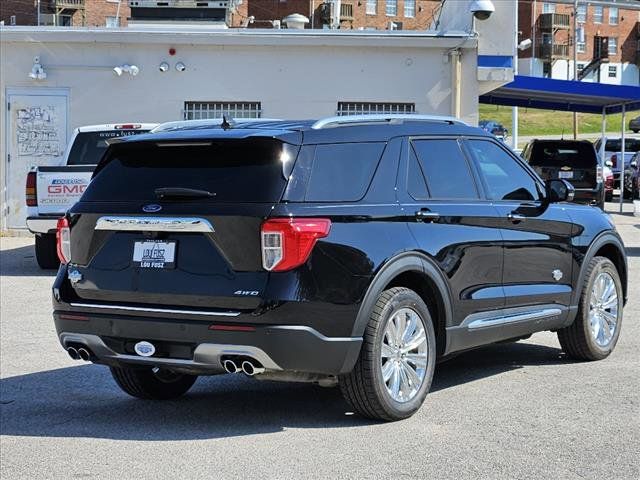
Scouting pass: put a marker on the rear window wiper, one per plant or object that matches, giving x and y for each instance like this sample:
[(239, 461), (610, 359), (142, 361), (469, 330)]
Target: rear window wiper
[(181, 192)]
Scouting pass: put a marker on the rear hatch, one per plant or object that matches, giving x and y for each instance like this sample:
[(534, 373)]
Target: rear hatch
[(573, 161), (178, 224)]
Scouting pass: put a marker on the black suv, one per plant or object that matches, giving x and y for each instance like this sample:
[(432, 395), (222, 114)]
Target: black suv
[(356, 251), (573, 160)]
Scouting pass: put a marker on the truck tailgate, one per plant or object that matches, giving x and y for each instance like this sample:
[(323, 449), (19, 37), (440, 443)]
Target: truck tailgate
[(60, 187)]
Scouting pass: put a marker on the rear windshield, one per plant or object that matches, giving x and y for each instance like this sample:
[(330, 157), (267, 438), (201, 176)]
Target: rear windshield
[(231, 170), (88, 147), (630, 145), (574, 155)]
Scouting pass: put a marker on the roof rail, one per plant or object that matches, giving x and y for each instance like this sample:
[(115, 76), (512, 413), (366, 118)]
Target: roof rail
[(330, 122)]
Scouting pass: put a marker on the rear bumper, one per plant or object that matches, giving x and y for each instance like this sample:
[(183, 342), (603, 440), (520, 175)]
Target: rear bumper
[(277, 347), (42, 224), (588, 195)]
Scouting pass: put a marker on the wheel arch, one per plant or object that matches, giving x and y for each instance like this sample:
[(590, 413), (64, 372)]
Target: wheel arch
[(421, 274)]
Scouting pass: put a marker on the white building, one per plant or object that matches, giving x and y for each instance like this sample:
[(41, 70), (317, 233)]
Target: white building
[(269, 73)]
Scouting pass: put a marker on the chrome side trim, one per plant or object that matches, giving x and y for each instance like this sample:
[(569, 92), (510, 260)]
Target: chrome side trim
[(473, 322), (154, 224), (155, 310)]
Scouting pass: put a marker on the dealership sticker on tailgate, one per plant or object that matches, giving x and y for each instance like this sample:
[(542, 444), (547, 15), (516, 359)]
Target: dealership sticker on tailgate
[(154, 254)]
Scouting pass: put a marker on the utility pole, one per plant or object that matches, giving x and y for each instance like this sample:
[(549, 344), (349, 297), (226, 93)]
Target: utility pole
[(575, 62)]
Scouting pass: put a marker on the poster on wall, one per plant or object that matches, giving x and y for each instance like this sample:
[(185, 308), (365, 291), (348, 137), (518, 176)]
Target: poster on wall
[(37, 134)]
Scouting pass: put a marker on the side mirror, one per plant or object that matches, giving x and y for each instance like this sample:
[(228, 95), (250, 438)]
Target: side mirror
[(609, 163), (559, 191), (633, 164)]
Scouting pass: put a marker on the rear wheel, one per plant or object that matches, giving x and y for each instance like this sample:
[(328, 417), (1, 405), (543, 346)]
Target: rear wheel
[(152, 383), (394, 371), (594, 333), (608, 196), (46, 253)]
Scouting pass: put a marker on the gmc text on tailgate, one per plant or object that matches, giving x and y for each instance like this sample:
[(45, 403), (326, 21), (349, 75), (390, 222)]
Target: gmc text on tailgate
[(351, 251)]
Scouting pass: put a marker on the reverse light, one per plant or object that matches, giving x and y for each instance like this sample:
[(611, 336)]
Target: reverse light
[(599, 174), (288, 242), (31, 191), (63, 240)]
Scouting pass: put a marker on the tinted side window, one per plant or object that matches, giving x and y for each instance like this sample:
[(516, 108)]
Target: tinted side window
[(343, 172), (445, 169), (415, 178), (504, 178)]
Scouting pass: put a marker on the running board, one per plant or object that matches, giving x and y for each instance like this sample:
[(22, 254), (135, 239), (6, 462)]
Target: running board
[(510, 318)]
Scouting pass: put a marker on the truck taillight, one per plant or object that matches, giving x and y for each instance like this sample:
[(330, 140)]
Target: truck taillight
[(30, 190), (63, 240), (599, 175), (287, 242)]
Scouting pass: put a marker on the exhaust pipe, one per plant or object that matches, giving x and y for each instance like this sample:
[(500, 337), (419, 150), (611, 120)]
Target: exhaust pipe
[(73, 353), (84, 354), (250, 369), (230, 366)]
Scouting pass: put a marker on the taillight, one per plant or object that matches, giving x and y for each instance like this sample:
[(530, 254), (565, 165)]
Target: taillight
[(30, 190), (287, 242), (63, 240), (599, 177), (614, 160)]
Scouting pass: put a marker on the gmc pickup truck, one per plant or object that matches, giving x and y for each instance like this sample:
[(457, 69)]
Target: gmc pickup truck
[(51, 190)]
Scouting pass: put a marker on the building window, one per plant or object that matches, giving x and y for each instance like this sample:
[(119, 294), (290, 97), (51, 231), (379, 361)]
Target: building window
[(205, 110), (391, 8), (613, 71), (546, 69), (581, 17), (409, 8), (598, 13), (112, 22), (613, 45), (363, 108), (580, 67), (582, 47), (372, 7), (613, 15), (548, 8)]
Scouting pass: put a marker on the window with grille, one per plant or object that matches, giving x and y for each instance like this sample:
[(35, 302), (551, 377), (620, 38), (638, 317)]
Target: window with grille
[(613, 45), (205, 110), (363, 108), (372, 7), (409, 8), (613, 71), (548, 8), (391, 8), (598, 13)]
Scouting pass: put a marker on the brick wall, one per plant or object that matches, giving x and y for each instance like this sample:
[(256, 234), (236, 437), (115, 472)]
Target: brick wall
[(425, 12), (25, 11)]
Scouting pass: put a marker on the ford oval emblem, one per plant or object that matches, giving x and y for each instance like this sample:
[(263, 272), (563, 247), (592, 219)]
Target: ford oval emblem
[(152, 208), (144, 349)]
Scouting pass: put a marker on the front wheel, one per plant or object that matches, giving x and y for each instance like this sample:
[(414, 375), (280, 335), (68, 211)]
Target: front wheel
[(152, 383), (594, 333), (394, 371)]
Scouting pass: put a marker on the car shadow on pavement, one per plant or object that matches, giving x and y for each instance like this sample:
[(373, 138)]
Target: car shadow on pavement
[(21, 262), (632, 251), (84, 401)]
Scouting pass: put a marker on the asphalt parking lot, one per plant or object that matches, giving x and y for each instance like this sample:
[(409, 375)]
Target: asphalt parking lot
[(518, 410)]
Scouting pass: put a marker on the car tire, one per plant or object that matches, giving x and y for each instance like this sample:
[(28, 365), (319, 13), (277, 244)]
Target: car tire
[(385, 353), (592, 336), (46, 251), (152, 384)]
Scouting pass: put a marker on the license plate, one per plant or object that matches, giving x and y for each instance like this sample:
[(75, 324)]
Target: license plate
[(565, 174), (154, 254)]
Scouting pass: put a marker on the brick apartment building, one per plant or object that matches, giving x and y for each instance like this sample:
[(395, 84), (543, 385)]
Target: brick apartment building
[(354, 14), (77, 13), (607, 40)]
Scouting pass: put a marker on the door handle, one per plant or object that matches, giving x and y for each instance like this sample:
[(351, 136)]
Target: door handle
[(516, 217), (427, 216)]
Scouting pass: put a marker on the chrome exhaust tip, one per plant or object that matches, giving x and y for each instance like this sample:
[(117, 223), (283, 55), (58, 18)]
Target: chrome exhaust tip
[(73, 353), (84, 354), (230, 366), (250, 369)]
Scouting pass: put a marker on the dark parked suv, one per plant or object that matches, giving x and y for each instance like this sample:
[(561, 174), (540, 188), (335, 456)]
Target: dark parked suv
[(573, 160), (356, 251)]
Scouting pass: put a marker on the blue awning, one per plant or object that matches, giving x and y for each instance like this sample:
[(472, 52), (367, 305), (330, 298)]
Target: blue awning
[(565, 95)]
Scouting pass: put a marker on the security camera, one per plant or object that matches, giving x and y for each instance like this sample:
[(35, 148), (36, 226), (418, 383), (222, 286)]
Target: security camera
[(117, 71), (163, 67), (133, 70), (482, 9), (524, 44), (181, 67)]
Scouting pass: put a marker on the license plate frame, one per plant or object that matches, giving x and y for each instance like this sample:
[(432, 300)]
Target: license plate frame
[(155, 254), (566, 175)]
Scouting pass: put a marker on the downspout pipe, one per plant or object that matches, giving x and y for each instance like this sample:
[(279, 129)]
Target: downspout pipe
[(456, 81)]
